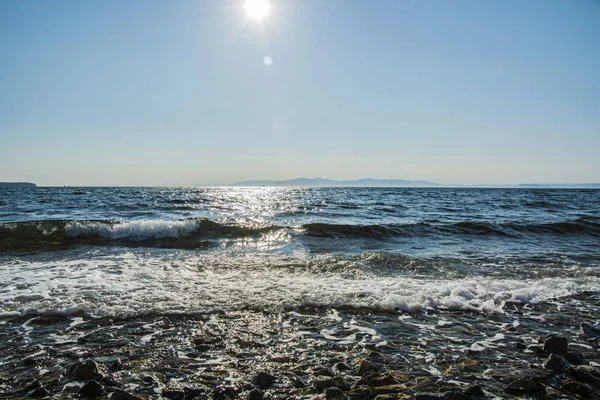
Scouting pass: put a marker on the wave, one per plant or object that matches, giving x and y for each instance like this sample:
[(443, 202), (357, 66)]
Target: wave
[(199, 233), (584, 226), (187, 233)]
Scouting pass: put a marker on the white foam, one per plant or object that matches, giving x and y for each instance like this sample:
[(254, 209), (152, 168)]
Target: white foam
[(138, 282), (134, 230)]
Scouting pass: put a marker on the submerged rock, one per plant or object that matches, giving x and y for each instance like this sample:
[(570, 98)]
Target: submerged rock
[(474, 391), (589, 331), (556, 344)]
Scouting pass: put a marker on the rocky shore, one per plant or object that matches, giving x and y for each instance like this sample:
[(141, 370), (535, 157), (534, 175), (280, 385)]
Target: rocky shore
[(534, 351)]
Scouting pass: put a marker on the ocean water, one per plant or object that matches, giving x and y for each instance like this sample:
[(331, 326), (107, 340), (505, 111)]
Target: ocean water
[(368, 266), (134, 250)]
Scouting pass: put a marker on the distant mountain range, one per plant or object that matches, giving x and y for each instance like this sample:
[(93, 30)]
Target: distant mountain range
[(330, 182), (17, 184), (369, 182)]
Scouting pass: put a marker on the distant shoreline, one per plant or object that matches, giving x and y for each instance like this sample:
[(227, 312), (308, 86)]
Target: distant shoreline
[(17, 184)]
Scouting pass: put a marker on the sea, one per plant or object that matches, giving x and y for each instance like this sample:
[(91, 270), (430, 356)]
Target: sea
[(198, 288)]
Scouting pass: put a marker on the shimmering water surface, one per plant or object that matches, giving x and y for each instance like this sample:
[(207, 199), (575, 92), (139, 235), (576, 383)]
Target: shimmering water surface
[(393, 269)]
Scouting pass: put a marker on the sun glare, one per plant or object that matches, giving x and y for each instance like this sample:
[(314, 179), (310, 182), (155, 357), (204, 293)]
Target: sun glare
[(257, 9)]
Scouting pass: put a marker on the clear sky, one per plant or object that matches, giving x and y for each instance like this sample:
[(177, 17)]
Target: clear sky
[(153, 91)]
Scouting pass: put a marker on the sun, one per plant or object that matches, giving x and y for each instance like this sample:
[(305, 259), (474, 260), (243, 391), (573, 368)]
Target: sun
[(257, 9)]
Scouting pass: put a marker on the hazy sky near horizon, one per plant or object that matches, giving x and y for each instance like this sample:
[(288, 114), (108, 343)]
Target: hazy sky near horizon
[(151, 92)]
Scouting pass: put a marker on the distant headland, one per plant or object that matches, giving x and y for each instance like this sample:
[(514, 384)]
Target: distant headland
[(17, 184)]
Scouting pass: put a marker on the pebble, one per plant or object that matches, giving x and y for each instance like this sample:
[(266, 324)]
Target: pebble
[(366, 366), (91, 389), (556, 344), (334, 393), (83, 370), (119, 394), (256, 394), (263, 380), (556, 363), (525, 386)]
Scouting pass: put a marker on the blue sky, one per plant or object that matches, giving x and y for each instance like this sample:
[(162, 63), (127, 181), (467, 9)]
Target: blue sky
[(151, 92)]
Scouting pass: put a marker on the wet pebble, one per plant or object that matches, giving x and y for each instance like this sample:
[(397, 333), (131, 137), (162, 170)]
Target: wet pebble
[(263, 380), (119, 394), (556, 344), (91, 389)]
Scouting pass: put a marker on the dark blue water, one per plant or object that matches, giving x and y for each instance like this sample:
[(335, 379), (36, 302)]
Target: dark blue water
[(367, 247)]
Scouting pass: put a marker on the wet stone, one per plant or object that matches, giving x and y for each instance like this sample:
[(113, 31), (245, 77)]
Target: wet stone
[(119, 394), (585, 374), (373, 378), (525, 386), (589, 331), (556, 344), (263, 380), (91, 389), (577, 388), (576, 358), (366, 366), (83, 370), (428, 396), (456, 395), (556, 363), (256, 394), (323, 383), (323, 372), (334, 393), (342, 367), (474, 391)]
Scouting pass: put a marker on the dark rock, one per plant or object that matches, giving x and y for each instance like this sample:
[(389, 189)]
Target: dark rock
[(223, 393), (474, 391), (298, 383), (428, 396), (119, 394), (340, 383), (334, 393), (173, 393), (576, 358), (388, 389), (91, 389), (589, 331), (38, 391), (342, 367), (323, 383), (585, 374), (322, 371), (578, 388), (525, 386), (116, 365), (556, 363), (366, 366), (263, 380), (256, 394), (456, 395), (87, 369), (373, 378), (556, 344)]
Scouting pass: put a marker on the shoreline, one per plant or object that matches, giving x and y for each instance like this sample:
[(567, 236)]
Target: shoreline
[(307, 353)]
